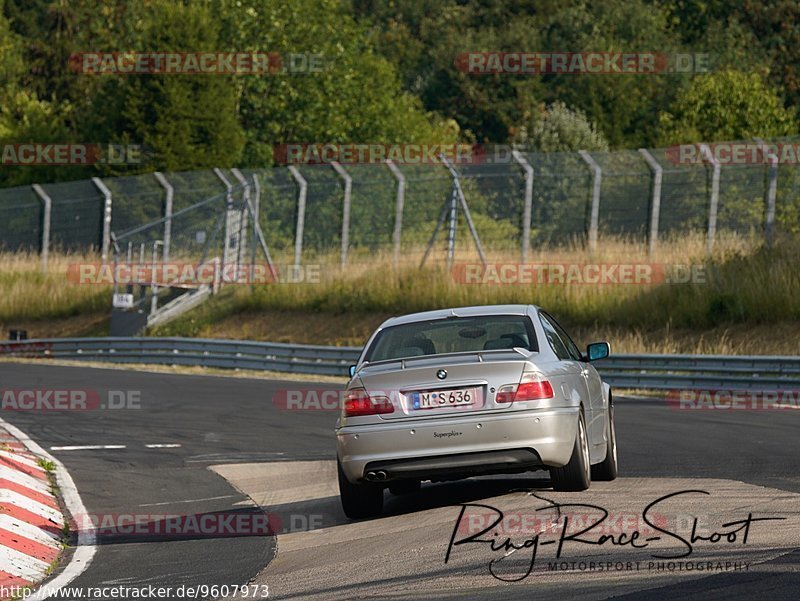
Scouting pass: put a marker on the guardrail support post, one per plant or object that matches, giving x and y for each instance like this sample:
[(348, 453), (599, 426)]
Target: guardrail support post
[(167, 213), (713, 200), (655, 200), (348, 188), (594, 215), (771, 192), (301, 214), (46, 214), (105, 243), (528, 206), (399, 203)]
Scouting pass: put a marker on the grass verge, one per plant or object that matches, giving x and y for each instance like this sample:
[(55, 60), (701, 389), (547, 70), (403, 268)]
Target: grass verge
[(747, 301)]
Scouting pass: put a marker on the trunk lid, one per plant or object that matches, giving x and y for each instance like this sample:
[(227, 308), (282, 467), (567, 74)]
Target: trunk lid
[(405, 380)]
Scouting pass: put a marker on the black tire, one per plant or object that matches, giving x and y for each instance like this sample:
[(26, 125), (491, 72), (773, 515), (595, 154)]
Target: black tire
[(404, 487), (607, 470), (359, 500), (575, 476)]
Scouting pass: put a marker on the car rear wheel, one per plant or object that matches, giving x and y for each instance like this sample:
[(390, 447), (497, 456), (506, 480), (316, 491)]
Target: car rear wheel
[(359, 500), (607, 470), (574, 476)]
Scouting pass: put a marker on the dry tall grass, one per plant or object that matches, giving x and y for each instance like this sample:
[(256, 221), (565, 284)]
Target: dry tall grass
[(28, 293), (747, 285), (744, 284)]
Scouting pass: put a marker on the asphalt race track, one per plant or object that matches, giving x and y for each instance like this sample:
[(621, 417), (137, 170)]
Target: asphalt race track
[(238, 449)]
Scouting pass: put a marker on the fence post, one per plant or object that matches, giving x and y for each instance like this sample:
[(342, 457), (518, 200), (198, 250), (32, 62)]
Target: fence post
[(48, 209), (594, 216), (528, 207), (243, 215), (713, 202), (258, 235), (772, 189), (301, 215), (348, 188), (106, 240), (167, 213), (398, 210), (655, 201), (459, 198), (228, 225), (256, 206)]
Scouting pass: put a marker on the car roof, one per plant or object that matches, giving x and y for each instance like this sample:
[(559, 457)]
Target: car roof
[(459, 312)]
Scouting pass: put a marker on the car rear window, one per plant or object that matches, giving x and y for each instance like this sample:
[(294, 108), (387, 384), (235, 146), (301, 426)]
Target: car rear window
[(453, 335)]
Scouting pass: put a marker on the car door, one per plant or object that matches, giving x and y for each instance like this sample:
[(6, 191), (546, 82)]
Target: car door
[(594, 386), (576, 380)]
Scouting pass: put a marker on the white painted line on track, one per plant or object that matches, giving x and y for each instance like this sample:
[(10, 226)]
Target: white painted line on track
[(235, 457), (95, 447), (171, 445), (85, 550), (188, 501)]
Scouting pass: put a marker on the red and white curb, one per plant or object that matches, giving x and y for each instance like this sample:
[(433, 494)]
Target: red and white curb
[(30, 519), (31, 522)]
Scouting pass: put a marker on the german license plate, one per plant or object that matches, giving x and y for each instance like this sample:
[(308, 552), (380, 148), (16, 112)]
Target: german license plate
[(434, 399)]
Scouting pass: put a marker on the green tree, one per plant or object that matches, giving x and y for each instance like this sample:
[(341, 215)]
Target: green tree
[(355, 97), (185, 121), (624, 107), (768, 38), (24, 117), (728, 105), (425, 39), (562, 129)]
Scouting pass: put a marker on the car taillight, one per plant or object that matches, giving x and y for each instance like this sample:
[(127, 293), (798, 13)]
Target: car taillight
[(533, 386), (357, 402)]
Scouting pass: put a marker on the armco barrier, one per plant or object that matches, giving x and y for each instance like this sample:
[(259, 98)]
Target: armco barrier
[(227, 354), (656, 372)]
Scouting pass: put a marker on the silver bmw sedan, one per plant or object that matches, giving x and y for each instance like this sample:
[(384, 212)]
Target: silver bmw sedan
[(455, 393)]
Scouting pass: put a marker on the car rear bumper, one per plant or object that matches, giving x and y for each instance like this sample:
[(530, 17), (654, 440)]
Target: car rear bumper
[(514, 441)]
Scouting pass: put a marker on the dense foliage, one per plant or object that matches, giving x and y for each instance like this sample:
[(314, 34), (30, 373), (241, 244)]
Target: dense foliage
[(389, 75)]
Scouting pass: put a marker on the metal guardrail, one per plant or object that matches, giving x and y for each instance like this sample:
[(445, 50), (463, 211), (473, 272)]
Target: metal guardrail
[(655, 372), (705, 372), (226, 354)]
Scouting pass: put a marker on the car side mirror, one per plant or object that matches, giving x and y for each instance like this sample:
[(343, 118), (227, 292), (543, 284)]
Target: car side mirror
[(597, 350), (352, 370)]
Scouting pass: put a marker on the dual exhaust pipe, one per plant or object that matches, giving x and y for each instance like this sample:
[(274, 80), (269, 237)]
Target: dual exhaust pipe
[(379, 476)]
